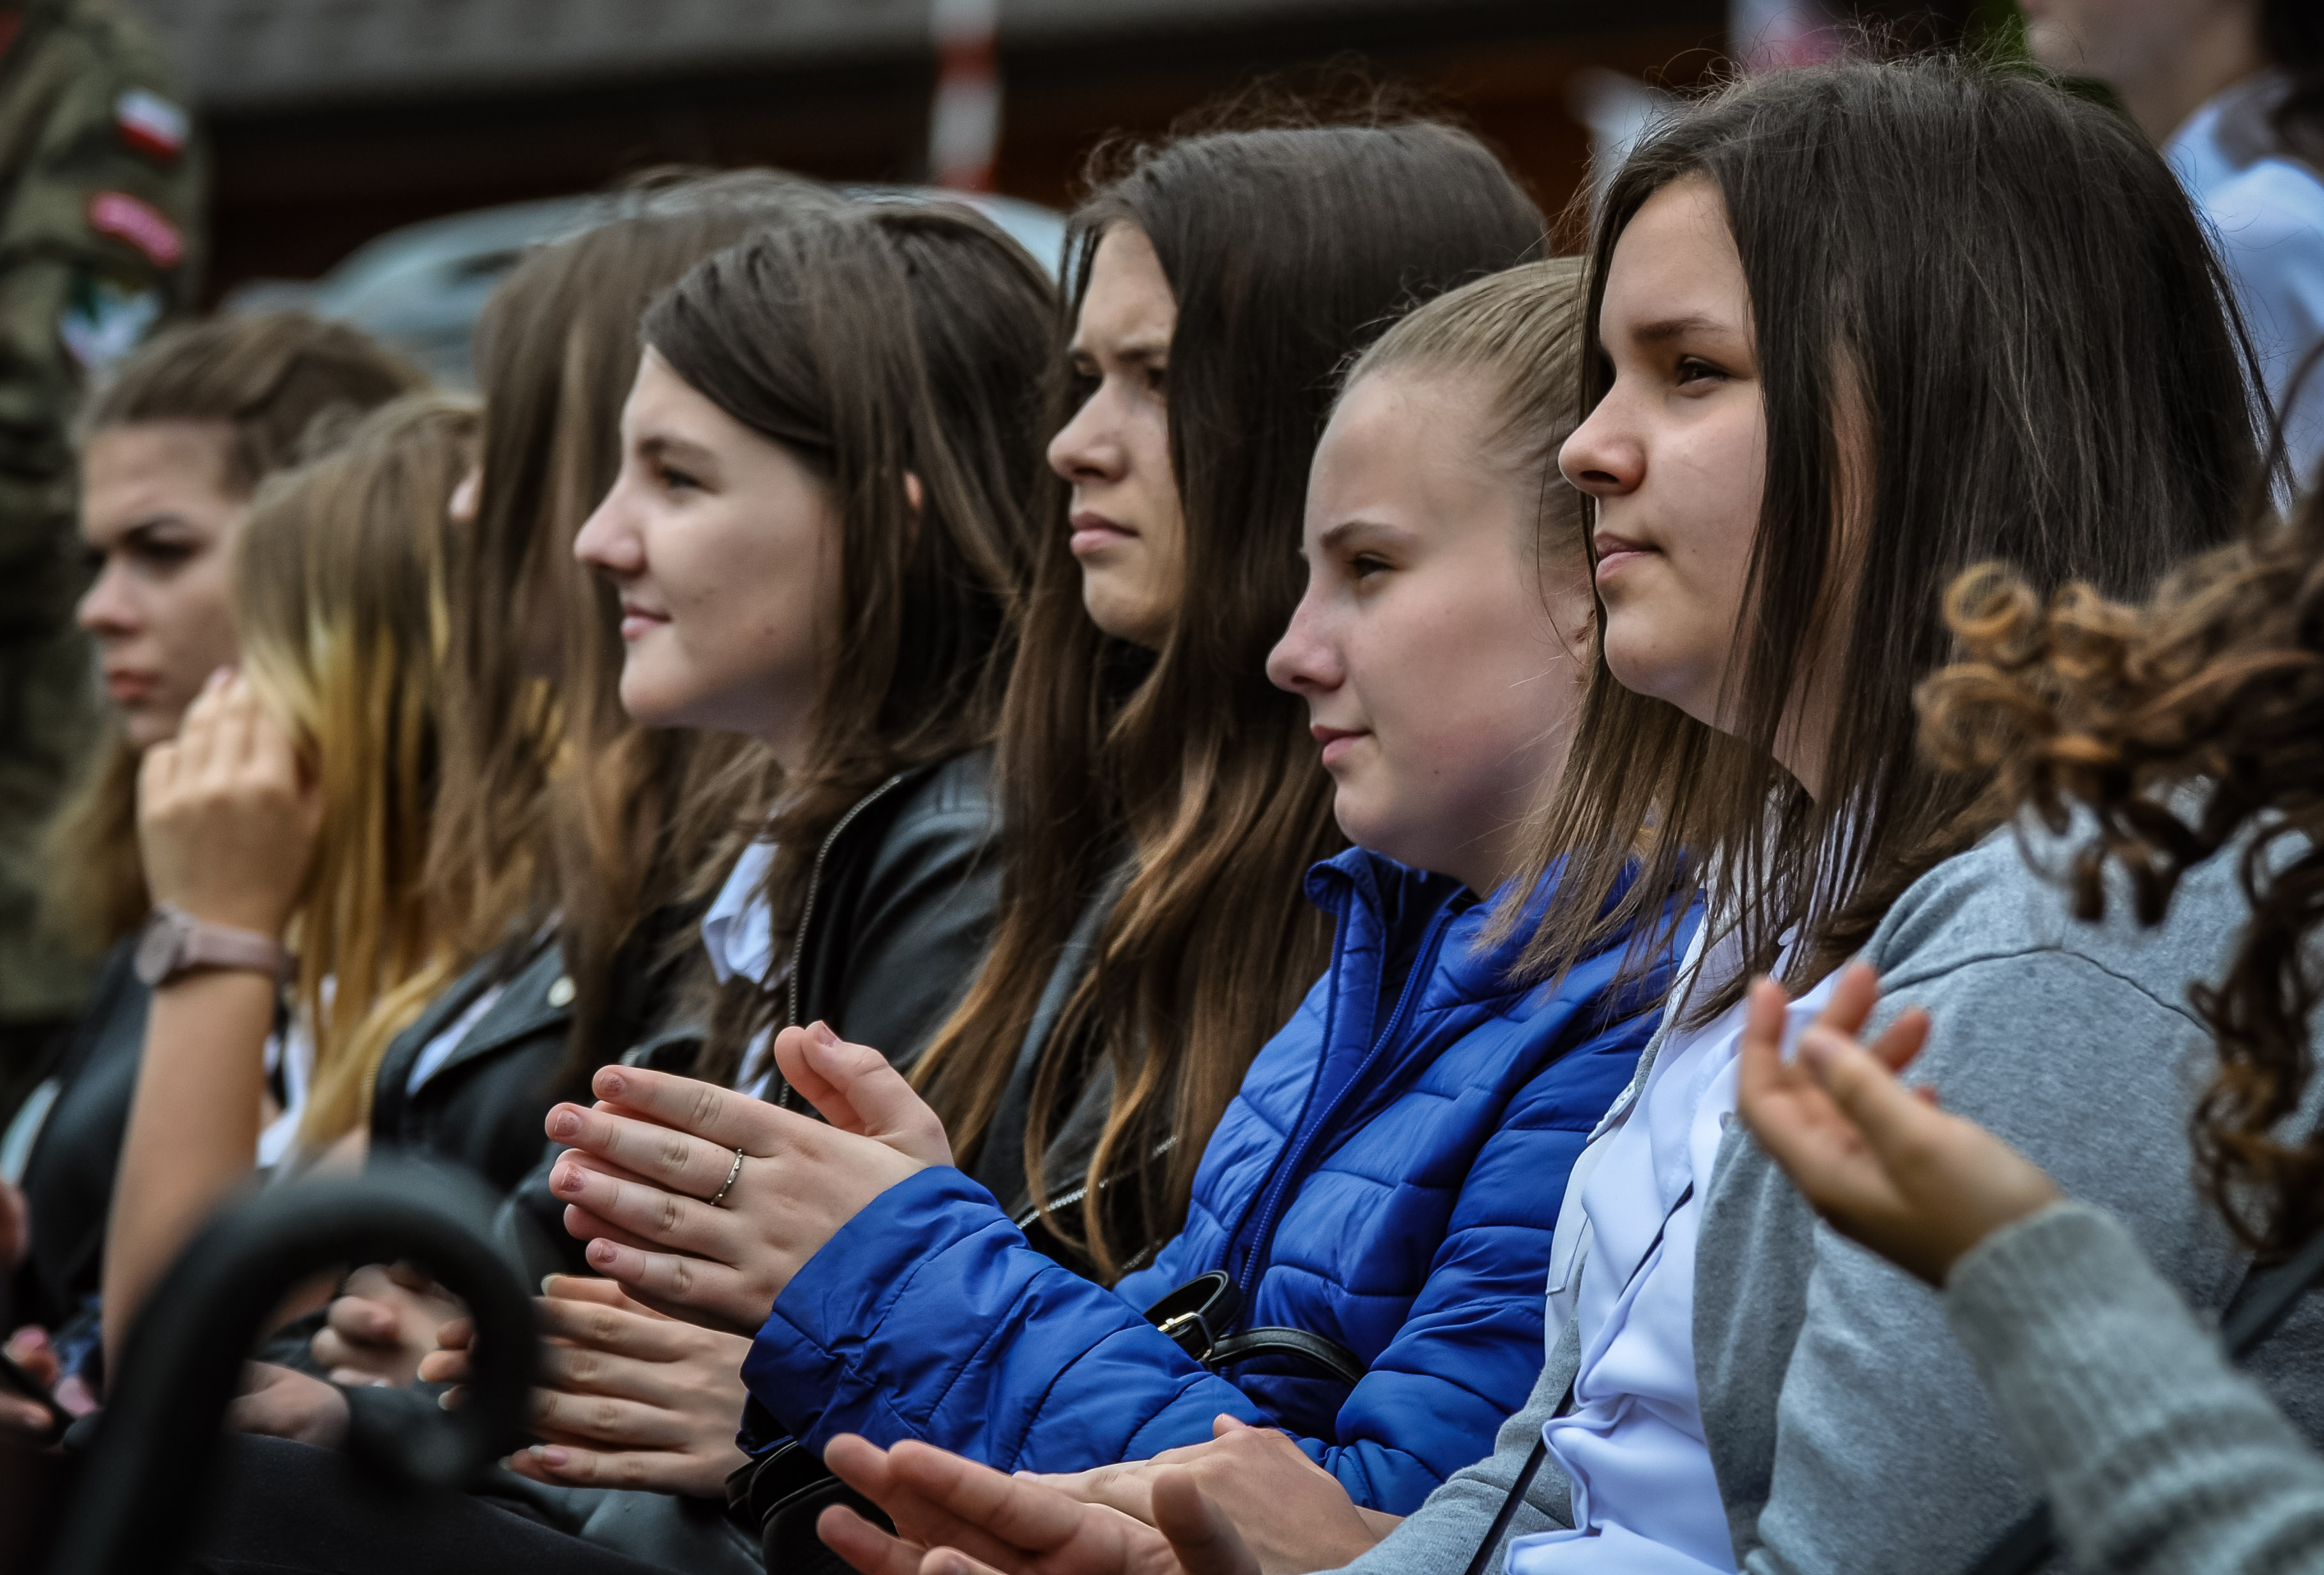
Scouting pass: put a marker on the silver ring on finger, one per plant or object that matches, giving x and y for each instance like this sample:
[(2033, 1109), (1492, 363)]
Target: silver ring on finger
[(718, 1198)]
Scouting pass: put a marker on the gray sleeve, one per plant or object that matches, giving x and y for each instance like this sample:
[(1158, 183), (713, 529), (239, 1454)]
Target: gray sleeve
[(1887, 1453), (1440, 1536), (2159, 1457)]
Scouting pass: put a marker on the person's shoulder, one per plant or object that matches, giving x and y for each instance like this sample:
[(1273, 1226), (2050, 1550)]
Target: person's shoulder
[(961, 787), (2007, 898), (2272, 205)]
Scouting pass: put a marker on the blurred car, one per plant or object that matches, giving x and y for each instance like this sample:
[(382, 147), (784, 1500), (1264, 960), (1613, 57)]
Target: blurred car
[(422, 288)]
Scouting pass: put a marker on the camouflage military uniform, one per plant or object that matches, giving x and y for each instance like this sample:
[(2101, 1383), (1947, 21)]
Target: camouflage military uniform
[(100, 185)]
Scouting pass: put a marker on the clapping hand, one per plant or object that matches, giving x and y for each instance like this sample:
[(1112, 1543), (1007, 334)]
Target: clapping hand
[(957, 1517), (628, 1398), (1877, 1159), (705, 1202), (1292, 1513)]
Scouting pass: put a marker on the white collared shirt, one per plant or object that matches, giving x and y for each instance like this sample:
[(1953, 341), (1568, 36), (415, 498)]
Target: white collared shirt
[(738, 932), (2267, 210), (1646, 1501)]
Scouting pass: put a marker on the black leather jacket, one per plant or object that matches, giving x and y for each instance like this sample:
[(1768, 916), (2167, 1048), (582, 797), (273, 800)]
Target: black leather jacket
[(69, 1177), (898, 913), (483, 1106)]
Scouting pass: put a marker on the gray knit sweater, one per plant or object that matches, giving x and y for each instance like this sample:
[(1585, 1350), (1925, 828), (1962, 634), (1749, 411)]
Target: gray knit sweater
[(1847, 1428), (2159, 1457)]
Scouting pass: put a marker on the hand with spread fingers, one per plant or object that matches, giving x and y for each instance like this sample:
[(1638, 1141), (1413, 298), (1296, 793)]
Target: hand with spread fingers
[(226, 813), (383, 1325), (956, 1517), (1877, 1159), (1292, 1513), (705, 1202), (628, 1398)]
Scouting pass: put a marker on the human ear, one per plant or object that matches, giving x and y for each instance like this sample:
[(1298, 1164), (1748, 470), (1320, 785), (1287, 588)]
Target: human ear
[(916, 497)]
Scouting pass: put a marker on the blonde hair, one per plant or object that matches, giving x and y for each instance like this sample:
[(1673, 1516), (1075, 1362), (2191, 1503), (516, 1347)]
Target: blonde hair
[(1521, 329), (341, 606)]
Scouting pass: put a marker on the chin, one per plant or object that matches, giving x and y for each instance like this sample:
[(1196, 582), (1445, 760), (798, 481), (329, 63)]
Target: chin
[(649, 707), (142, 727), (1120, 614)]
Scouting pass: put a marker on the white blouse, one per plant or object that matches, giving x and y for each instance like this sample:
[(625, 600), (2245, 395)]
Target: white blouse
[(2267, 210), (1646, 1501), (738, 932)]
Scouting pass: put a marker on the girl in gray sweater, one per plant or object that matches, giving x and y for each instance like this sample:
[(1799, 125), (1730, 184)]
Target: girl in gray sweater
[(2174, 735)]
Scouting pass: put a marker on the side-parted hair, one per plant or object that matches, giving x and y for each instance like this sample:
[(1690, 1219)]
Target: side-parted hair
[(628, 814), (2003, 289), (265, 379), (343, 612), (877, 343), (2182, 725), (1287, 249), (1521, 332)]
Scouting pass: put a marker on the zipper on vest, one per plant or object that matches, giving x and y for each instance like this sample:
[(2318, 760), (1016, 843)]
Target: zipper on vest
[(1293, 1161)]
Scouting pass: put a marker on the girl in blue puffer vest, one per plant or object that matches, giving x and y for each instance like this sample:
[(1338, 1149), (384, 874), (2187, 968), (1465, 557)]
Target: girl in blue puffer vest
[(1388, 1180)]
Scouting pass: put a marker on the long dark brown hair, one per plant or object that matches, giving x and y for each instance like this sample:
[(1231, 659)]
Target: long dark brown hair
[(548, 785), (265, 380), (878, 342), (2182, 727), (1287, 249), (2008, 284)]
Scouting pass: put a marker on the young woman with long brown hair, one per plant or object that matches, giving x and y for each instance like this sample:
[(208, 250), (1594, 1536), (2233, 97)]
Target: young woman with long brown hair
[(1162, 802), (820, 537), (596, 831)]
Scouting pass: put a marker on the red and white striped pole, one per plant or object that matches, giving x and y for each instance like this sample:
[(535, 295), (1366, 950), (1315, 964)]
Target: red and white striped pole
[(965, 124)]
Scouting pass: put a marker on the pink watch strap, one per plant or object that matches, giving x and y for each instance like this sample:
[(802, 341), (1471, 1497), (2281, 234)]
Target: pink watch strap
[(217, 946)]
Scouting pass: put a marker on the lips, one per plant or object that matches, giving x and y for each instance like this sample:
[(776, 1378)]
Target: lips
[(639, 621), (130, 686), (1616, 553), (1336, 741), (1095, 532)]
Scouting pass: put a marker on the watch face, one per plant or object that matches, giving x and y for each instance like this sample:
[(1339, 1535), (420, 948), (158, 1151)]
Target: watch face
[(158, 948)]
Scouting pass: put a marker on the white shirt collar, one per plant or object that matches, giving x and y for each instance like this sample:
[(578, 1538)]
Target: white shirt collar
[(739, 930)]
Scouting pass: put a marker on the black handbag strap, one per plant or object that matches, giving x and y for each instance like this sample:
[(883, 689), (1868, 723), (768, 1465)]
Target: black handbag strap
[(1196, 1313), (1517, 1491), (2264, 1299)]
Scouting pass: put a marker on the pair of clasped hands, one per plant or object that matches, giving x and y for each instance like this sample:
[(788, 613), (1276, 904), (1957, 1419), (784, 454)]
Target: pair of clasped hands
[(642, 1370)]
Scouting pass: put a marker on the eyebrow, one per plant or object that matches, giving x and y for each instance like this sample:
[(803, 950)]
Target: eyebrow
[(661, 445), (1664, 329), (1142, 353), (1334, 535)]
